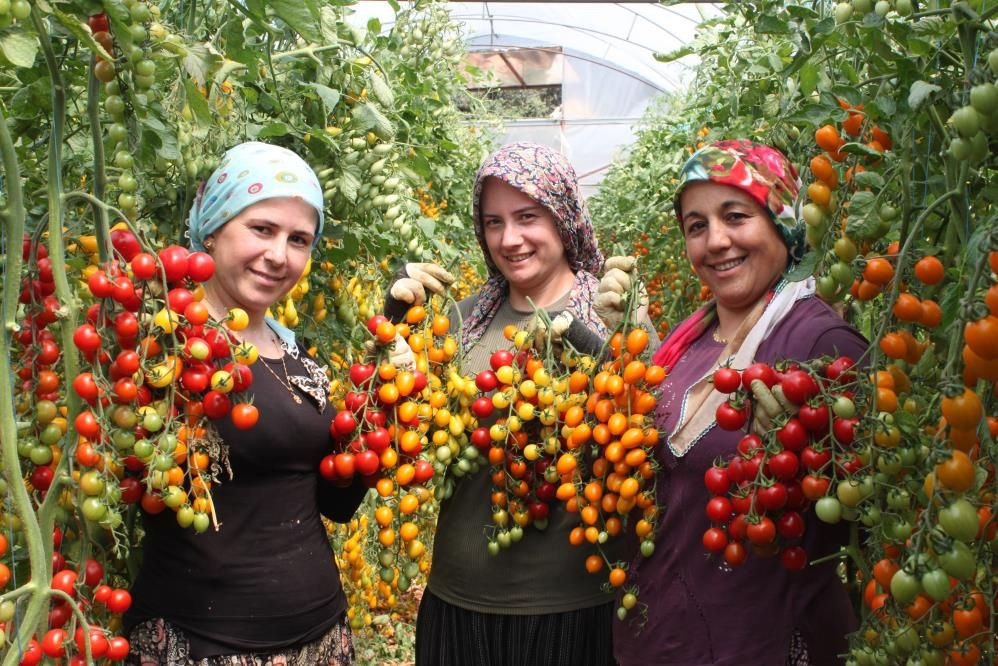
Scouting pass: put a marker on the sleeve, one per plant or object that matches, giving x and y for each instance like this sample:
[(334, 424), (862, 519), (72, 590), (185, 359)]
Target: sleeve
[(395, 309), (839, 341), (583, 338), (339, 503)]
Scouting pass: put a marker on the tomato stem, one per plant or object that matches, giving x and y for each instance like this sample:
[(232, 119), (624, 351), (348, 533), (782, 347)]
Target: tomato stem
[(100, 175)]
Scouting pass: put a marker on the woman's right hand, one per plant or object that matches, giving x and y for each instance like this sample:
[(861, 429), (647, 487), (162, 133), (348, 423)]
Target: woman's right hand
[(410, 285), (614, 286), (419, 277)]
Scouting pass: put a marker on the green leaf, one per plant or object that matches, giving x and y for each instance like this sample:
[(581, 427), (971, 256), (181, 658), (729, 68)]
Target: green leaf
[(868, 179), (19, 49), (825, 26), (81, 31), (199, 61), (234, 39), (301, 15), (856, 148), (168, 148), (374, 26), (197, 103), (382, 91), (920, 92), (330, 98), (426, 225), (329, 22), (672, 56), (273, 129), (349, 183), (799, 12), (808, 79), (864, 222), (804, 268), (770, 24), (367, 116)]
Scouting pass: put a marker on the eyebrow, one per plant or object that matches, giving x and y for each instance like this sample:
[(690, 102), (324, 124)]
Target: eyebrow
[(518, 211), (724, 206)]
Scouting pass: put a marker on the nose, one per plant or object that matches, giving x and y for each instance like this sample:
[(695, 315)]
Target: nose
[(511, 235), (717, 236), (277, 251)]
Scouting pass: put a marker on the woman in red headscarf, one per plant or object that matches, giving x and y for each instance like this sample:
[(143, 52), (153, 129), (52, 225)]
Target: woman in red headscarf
[(735, 205)]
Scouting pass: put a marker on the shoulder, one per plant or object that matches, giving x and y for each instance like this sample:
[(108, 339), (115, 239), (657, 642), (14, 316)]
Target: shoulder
[(812, 329), (465, 306)]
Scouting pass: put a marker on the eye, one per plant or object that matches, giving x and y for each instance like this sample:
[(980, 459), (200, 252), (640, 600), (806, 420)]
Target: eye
[(694, 226), (300, 241), (261, 229), (736, 216), (492, 222), (528, 216)]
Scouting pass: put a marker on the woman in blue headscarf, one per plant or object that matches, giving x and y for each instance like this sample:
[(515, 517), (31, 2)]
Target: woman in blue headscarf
[(263, 588)]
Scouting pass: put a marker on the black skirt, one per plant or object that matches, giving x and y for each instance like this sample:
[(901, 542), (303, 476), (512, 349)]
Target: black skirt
[(447, 635)]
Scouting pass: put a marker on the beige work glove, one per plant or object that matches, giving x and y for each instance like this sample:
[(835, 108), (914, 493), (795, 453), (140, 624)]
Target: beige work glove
[(614, 286), (419, 277), (400, 354), (771, 406), (545, 335)]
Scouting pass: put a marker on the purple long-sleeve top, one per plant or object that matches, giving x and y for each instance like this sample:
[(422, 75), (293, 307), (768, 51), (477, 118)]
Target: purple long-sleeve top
[(698, 610)]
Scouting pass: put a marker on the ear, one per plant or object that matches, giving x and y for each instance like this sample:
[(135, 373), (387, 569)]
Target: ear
[(209, 243)]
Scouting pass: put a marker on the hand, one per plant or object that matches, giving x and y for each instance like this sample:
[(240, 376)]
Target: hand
[(419, 277), (772, 407), (400, 354), (545, 335), (614, 287)]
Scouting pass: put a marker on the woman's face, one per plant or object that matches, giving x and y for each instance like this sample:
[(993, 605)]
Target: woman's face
[(522, 238), (732, 243), (261, 253)]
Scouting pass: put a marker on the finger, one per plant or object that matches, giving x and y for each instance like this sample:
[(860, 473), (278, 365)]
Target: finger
[(440, 273), (620, 277), (624, 263), (608, 300)]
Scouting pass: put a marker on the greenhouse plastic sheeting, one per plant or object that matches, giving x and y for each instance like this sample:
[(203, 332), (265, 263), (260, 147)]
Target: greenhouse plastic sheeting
[(609, 73)]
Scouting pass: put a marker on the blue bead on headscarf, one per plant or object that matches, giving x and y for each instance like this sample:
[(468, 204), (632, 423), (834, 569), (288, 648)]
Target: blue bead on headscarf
[(249, 173)]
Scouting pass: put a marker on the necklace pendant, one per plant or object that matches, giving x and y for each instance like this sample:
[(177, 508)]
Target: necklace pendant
[(296, 397)]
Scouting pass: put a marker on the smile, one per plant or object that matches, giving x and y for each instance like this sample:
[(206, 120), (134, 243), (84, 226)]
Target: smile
[(517, 258), (266, 277), (728, 265)]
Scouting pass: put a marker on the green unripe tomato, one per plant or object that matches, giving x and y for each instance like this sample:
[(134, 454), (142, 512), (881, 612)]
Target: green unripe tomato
[(185, 516), (863, 6), (828, 510), (993, 61), (40, 454), (882, 7), (984, 98), (813, 215), (965, 121), (904, 7), (959, 149), (201, 522), (20, 9)]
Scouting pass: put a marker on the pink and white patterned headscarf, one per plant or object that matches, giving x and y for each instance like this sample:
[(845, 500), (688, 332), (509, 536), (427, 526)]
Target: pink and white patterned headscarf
[(544, 175)]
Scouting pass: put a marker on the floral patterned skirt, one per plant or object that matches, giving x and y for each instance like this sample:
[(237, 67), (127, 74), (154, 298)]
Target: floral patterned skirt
[(156, 642)]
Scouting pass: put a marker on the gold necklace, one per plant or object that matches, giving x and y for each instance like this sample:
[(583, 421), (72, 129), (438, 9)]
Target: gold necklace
[(718, 338), (285, 384)]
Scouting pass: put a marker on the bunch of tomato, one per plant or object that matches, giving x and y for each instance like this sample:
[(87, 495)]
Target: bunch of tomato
[(526, 446), (802, 441), (157, 371), (404, 431)]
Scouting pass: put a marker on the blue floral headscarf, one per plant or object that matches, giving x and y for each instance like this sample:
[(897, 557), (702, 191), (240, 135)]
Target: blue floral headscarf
[(249, 173)]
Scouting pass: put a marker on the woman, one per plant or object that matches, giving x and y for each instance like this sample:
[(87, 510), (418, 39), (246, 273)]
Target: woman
[(263, 588), (533, 603), (735, 207)]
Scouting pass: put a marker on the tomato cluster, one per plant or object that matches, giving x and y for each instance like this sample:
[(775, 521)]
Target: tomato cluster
[(762, 493), (156, 368), (402, 431)]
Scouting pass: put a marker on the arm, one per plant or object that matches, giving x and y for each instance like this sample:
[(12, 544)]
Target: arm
[(339, 503)]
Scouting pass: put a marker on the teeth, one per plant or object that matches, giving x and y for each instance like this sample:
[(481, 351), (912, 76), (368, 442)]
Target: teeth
[(513, 258), (727, 265)]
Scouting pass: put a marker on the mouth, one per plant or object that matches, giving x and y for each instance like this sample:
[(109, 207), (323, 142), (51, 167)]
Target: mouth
[(517, 258), (267, 277), (726, 265)]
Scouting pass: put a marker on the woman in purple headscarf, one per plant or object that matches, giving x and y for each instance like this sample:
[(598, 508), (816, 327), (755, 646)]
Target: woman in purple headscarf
[(735, 206), (533, 603)]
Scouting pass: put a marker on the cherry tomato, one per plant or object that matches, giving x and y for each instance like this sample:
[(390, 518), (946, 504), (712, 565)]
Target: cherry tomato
[(759, 371), (730, 417), (726, 380), (119, 601), (200, 266), (717, 480), (125, 242), (245, 416)]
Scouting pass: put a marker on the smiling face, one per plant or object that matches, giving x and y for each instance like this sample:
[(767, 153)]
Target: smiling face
[(733, 245), (261, 253), (524, 243)]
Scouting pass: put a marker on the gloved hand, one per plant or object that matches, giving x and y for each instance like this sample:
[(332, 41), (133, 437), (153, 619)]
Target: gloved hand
[(419, 277), (770, 405), (400, 354), (615, 285), (545, 335)]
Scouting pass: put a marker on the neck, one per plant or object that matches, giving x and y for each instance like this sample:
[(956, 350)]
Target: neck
[(257, 332), (542, 295)]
